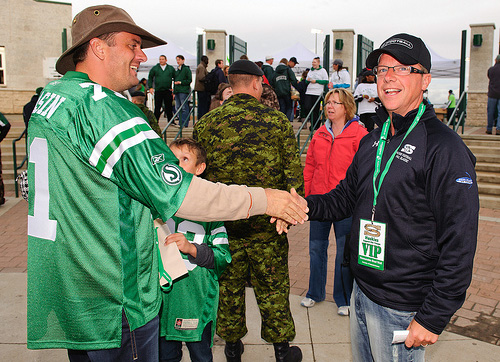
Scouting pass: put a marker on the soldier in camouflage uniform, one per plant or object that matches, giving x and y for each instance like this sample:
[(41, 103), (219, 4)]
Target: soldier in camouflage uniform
[(249, 143)]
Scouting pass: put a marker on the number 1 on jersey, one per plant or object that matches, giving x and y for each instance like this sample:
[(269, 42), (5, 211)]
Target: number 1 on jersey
[(39, 225)]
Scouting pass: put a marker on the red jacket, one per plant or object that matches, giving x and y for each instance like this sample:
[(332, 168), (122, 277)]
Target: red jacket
[(328, 160)]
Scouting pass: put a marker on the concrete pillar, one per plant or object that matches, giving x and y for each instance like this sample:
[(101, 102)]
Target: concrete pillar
[(347, 52), (219, 52), (480, 59)]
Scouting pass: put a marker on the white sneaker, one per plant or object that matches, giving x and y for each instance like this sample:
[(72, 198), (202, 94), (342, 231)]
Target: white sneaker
[(343, 311), (307, 302)]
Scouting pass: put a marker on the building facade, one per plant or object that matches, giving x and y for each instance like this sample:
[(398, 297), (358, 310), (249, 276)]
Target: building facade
[(33, 34)]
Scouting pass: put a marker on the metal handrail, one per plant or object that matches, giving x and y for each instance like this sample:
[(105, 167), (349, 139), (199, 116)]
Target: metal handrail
[(462, 116), (313, 127), (179, 134), (14, 155)]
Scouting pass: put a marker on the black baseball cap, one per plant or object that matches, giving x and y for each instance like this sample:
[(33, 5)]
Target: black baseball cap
[(244, 66), (406, 48), (293, 59)]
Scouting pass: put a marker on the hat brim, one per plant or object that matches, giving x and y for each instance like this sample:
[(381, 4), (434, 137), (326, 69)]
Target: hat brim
[(65, 62), (403, 58)]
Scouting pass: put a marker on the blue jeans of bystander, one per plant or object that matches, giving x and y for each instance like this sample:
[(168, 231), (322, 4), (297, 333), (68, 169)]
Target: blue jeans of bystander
[(184, 113), (318, 246), (493, 111), (372, 327)]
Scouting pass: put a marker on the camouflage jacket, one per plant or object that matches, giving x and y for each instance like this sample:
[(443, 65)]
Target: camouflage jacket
[(269, 97), (250, 144)]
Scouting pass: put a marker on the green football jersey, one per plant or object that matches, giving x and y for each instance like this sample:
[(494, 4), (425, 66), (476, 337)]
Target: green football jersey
[(97, 174), (192, 302)]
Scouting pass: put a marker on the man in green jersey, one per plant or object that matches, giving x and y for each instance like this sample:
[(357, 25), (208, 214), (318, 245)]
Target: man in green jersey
[(99, 175)]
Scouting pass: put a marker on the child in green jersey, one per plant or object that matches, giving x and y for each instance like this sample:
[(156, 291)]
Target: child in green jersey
[(189, 309)]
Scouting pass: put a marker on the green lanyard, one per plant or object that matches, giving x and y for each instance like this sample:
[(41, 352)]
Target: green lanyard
[(380, 153)]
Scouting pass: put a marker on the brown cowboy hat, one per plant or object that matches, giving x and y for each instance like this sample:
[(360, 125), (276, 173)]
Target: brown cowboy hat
[(98, 20)]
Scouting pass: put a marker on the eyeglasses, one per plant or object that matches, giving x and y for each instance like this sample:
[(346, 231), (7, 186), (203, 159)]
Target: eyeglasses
[(333, 103), (381, 70)]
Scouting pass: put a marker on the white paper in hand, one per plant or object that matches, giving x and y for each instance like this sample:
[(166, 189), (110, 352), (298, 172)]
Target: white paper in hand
[(399, 336), (170, 255)]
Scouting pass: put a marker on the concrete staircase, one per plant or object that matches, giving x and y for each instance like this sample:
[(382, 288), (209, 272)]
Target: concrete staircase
[(486, 148)]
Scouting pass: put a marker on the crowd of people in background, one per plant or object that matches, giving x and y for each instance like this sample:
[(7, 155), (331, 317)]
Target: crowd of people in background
[(296, 98)]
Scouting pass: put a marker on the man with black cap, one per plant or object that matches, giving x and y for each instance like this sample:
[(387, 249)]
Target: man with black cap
[(98, 176), (249, 143), (412, 192), (292, 62)]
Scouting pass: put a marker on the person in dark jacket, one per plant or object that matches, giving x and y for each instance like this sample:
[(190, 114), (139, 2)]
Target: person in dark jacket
[(199, 87), (283, 79), (28, 107), (494, 97), (4, 129), (412, 193), (182, 87), (221, 77), (160, 84), (267, 68)]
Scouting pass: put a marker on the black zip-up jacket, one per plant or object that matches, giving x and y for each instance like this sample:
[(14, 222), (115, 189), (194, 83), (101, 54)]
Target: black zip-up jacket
[(429, 202), (494, 84)]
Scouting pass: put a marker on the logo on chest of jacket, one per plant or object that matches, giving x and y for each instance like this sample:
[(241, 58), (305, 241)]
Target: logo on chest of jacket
[(404, 153), (408, 149)]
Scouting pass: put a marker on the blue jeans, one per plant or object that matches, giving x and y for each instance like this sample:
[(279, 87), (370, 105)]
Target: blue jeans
[(140, 345), (171, 351), (286, 106), (371, 331), (493, 110), (184, 113), (318, 254)]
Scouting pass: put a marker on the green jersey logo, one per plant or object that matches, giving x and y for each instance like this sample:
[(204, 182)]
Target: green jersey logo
[(171, 174)]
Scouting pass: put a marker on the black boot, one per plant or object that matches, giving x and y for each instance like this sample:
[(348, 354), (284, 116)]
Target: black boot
[(285, 353), (233, 351)]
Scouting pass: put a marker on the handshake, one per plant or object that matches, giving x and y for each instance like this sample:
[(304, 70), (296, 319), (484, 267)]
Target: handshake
[(286, 208)]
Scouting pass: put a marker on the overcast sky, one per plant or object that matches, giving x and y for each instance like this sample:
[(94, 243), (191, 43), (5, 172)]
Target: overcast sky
[(271, 26)]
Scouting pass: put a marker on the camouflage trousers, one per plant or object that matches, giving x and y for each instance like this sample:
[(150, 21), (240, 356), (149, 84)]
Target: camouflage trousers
[(265, 259)]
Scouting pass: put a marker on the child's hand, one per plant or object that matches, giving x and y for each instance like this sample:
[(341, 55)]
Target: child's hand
[(182, 243)]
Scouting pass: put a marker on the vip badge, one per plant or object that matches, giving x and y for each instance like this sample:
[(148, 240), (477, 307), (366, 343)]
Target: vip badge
[(371, 252)]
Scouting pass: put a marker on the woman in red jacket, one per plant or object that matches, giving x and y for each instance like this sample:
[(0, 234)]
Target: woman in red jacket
[(329, 156)]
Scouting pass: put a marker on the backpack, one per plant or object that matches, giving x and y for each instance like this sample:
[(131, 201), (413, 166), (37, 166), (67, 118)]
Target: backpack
[(211, 82)]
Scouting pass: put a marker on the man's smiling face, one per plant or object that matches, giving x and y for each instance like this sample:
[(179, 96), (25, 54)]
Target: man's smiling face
[(400, 93)]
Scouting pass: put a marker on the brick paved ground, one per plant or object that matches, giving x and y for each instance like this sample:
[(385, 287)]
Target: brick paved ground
[(478, 318)]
